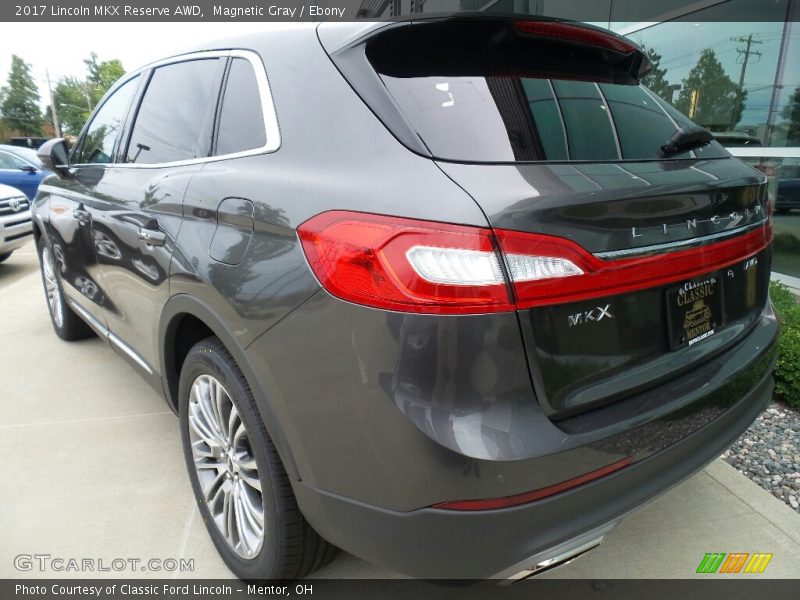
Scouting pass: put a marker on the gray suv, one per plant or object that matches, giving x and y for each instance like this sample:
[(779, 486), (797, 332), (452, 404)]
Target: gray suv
[(454, 295)]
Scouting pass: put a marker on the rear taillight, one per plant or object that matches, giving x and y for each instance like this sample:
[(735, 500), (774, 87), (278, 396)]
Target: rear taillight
[(575, 33), (404, 264), (423, 266)]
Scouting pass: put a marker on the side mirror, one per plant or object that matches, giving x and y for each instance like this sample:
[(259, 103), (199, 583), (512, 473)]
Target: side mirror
[(54, 156), (28, 169)]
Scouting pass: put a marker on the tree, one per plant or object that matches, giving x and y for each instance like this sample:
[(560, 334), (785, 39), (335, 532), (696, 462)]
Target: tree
[(73, 104), (791, 113), (102, 75), (20, 100), (75, 98), (656, 79), (709, 96)]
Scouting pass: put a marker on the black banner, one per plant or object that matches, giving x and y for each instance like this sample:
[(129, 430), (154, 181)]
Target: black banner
[(732, 588), (600, 11)]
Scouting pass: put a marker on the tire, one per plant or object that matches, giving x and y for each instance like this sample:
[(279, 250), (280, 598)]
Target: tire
[(232, 460), (4, 257), (66, 323)]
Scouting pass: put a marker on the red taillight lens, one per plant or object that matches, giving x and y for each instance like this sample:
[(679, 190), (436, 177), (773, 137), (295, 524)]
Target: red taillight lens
[(608, 277), (524, 498), (427, 267), (404, 264), (575, 33)]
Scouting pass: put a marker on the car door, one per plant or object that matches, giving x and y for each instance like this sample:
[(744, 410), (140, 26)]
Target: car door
[(72, 201), (18, 173), (137, 204)]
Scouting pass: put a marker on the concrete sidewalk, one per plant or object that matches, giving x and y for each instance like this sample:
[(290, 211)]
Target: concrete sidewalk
[(92, 468)]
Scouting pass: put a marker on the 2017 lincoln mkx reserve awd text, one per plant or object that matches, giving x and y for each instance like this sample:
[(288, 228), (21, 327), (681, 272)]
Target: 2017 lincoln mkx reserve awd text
[(454, 295)]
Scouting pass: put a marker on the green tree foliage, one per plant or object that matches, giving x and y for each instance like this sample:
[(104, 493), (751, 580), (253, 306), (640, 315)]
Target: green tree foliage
[(719, 102), (19, 107), (656, 79), (791, 114), (75, 98)]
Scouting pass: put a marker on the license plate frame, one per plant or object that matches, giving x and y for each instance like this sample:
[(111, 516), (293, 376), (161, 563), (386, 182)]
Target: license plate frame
[(695, 310)]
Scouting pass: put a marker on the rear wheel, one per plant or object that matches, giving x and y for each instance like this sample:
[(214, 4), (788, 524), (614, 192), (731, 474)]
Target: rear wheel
[(241, 487), (67, 325)]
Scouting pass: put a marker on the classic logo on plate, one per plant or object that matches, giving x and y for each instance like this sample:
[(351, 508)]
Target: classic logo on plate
[(693, 297)]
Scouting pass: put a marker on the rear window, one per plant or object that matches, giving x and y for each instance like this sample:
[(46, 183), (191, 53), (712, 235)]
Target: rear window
[(500, 99)]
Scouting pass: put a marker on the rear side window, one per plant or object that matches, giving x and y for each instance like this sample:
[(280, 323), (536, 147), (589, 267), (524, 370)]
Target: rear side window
[(483, 92), (175, 118), (98, 143), (241, 120)]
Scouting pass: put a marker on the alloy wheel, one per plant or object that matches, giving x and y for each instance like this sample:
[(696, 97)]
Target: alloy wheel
[(226, 467), (54, 299)]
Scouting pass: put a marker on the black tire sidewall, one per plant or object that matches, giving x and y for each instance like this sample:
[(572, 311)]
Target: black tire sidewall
[(61, 330), (207, 359)]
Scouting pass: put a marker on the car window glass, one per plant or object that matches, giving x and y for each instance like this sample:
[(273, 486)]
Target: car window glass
[(175, 117), (97, 144), (241, 121), (7, 161)]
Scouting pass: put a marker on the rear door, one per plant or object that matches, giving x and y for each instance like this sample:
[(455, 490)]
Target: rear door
[(138, 202), (547, 127)]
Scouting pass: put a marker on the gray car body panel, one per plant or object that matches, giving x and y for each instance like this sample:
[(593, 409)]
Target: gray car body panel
[(378, 415)]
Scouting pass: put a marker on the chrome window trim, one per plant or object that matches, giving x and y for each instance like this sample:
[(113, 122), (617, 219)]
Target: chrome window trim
[(103, 331), (267, 108)]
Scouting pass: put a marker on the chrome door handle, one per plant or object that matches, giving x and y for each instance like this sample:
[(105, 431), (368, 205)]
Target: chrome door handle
[(81, 215), (151, 237)]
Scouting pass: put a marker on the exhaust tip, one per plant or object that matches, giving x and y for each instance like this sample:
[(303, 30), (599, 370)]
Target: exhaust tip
[(558, 557)]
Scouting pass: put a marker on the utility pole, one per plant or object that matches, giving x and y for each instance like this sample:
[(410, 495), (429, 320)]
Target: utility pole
[(745, 53), (53, 109)]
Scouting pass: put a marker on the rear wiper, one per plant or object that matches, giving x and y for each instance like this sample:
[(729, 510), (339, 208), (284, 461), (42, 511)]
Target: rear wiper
[(685, 139)]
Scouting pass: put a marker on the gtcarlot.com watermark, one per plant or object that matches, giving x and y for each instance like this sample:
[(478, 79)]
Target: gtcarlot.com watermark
[(45, 563)]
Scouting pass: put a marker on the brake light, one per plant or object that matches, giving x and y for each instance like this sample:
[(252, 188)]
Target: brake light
[(608, 277), (410, 265), (575, 33), (404, 264)]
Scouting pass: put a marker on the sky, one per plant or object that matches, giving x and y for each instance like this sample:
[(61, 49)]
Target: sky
[(61, 48)]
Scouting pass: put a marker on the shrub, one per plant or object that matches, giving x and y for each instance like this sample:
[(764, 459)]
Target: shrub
[(787, 369)]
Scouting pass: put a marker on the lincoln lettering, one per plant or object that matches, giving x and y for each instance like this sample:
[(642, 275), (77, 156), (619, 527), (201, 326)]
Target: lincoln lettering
[(731, 220)]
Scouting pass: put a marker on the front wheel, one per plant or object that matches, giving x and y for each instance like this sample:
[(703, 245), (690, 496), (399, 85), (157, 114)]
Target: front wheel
[(241, 487), (67, 325)]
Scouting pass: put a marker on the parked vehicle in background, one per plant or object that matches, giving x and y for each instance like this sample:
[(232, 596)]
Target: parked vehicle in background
[(787, 194), (15, 220), (455, 295), (33, 143), (21, 168)]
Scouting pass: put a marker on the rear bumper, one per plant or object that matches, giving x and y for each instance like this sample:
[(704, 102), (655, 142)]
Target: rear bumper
[(417, 410), (430, 543)]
